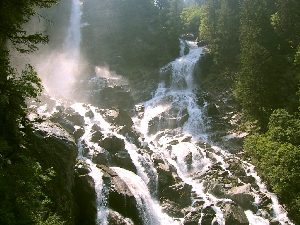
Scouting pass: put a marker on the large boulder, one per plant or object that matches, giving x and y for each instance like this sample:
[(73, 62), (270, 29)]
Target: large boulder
[(85, 196), (107, 97), (117, 117), (192, 217), (97, 135), (69, 120), (120, 198), (113, 144), (171, 187), (118, 155), (171, 208), (115, 218), (56, 149), (241, 195), (234, 214)]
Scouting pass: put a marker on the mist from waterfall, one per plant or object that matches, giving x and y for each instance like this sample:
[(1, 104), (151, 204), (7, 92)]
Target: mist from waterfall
[(59, 68)]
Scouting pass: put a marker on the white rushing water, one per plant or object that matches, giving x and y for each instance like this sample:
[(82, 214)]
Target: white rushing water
[(59, 67), (168, 107), (171, 126), (150, 210)]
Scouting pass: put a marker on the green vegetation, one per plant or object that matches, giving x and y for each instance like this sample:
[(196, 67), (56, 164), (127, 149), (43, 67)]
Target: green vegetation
[(22, 179), (132, 33), (254, 46), (277, 156)]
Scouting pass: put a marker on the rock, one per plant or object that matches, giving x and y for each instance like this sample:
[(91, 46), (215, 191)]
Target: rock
[(89, 114), (171, 187), (217, 190), (274, 223), (78, 133), (208, 216), (234, 215), (69, 119), (74, 117), (122, 159), (171, 208), (123, 119), (120, 198), (166, 121), (112, 144), (97, 135), (101, 157), (118, 155), (165, 177), (82, 168), (55, 148), (242, 196), (85, 196), (115, 218), (63, 122), (192, 217), (157, 159), (189, 160), (107, 97)]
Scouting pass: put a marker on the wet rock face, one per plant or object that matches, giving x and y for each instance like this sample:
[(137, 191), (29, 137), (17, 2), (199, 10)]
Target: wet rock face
[(115, 218), (120, 199), (97, 135), (85, 196), (164, 122), (111, 97), (117, 154), (113, 144), (117, 117), (171, 187), (55, 148), (192, 217), (234, 214), (241, 195), (68, 119)]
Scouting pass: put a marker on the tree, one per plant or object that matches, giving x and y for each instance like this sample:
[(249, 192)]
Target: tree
[(262, 84), (276, 155), (22, 179)]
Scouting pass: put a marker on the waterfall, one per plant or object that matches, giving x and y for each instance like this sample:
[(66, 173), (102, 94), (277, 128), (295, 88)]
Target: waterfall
[(168, 142), (59, 67), (171, 117), (73, 39)]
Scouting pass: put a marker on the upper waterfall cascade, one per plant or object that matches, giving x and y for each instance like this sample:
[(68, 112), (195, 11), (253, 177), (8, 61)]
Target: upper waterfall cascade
[(164, 141)]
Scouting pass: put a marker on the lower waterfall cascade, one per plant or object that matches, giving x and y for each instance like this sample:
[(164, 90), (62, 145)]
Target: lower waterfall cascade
[(166, 141)]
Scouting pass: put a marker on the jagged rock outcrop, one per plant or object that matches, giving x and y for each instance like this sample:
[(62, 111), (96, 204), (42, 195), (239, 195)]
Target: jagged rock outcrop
[(234, 214), (241, 195), (118, 155), (84, 195), (56, 149), (115, 218), (69, 120), (171, 187), (120, 198)]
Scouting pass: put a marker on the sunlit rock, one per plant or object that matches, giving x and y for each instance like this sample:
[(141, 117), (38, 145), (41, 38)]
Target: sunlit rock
[(115, 218)]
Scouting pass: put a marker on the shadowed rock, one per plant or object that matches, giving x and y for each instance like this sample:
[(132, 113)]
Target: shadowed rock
[(120, 198)]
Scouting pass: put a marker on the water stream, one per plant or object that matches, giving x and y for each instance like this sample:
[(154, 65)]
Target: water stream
[(172, 134)]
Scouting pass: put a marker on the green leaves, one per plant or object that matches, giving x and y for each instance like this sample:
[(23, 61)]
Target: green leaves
[(276, 155)]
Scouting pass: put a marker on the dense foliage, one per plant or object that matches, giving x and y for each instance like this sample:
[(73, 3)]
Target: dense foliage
[(257, 42), (127, 34), (22, 179), (277, 156)]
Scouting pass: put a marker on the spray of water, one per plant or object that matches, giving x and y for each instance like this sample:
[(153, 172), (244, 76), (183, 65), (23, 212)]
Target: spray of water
[(59, 68)]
